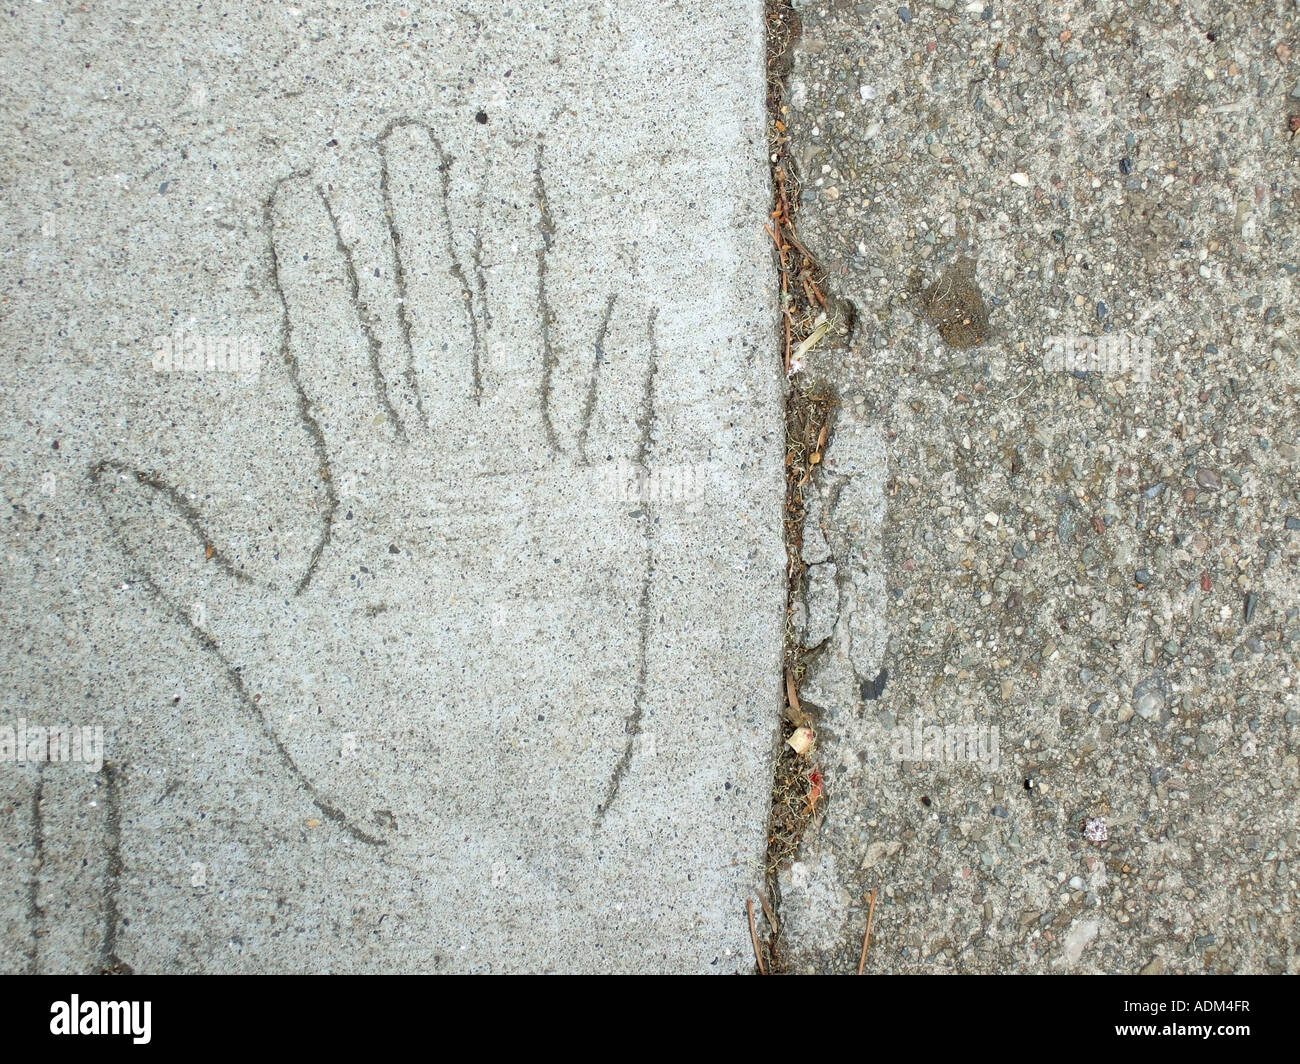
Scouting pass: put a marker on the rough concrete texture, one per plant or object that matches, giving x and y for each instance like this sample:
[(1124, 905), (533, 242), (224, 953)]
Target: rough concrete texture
[(1091, 526), (392, 469)]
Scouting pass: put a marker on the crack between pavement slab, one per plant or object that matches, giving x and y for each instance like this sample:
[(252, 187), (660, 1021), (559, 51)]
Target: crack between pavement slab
[(804, 302)]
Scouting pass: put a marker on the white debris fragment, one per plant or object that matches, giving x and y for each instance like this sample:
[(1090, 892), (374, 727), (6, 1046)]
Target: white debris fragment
[(801, 741), (822, 327), (1021, 179), (1095, 830), (1077, 939)]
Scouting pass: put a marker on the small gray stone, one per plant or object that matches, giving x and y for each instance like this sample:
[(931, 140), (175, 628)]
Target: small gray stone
[(1065, 526), (1149, 697)]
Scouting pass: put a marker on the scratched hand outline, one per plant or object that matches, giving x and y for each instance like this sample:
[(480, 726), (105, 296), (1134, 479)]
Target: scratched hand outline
[(463, 450)]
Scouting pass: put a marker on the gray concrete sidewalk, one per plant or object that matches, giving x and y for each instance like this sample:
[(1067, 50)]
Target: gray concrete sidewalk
[(392, 465), (1053, 550)]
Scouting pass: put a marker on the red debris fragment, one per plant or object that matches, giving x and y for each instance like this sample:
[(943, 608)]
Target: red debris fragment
[(815, 789)]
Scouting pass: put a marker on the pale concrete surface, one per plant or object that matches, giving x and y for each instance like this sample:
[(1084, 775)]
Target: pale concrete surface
[(427, 579)]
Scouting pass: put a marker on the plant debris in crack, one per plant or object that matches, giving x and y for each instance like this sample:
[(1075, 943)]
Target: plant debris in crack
[(806, 310)]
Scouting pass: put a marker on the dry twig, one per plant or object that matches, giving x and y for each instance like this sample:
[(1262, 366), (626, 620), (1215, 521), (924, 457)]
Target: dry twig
[(753, 937), (866, 938)]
